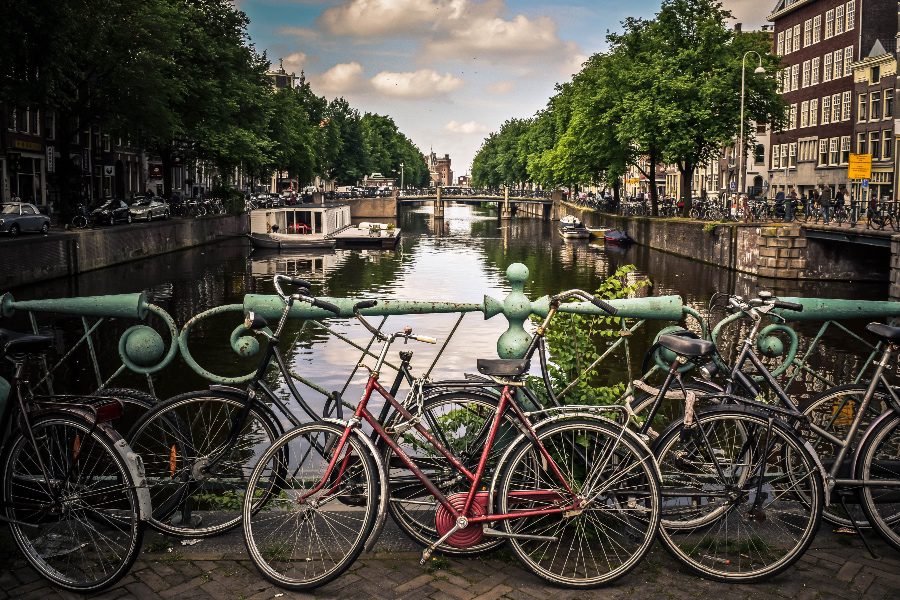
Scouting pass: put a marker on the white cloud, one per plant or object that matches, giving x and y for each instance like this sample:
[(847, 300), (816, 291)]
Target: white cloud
[(371, 18), (467, 127), (340, 79), (301, 32), (501, 87), (424, 83), (294, 62), (751, 13)]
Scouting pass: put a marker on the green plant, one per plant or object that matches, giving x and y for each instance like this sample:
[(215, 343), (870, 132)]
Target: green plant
[(575, 341), (710, 227), (232, 199)]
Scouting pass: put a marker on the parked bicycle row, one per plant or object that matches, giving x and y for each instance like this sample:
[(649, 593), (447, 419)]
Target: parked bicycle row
[(710, 456)]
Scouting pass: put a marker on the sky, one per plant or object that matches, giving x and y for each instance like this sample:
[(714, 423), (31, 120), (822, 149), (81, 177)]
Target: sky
[(447, 71)]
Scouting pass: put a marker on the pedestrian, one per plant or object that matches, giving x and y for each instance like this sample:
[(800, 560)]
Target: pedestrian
[(791, 205), (825, 203)]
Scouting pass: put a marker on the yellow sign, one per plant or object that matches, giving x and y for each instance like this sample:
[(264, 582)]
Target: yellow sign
[(633, 181), (24, 145), (860, 166)]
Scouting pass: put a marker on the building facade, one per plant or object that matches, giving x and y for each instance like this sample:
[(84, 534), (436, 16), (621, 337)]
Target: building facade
[(819, 41), (439, 168)]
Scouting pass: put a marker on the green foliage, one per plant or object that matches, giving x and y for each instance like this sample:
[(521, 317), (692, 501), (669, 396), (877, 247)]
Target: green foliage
[(232, 199), (575, 341)]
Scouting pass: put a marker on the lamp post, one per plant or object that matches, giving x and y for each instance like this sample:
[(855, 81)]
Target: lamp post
[(742, 143), (401, 176)]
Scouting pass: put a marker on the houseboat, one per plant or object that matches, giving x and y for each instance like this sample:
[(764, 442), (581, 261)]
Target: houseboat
[(303, 226)]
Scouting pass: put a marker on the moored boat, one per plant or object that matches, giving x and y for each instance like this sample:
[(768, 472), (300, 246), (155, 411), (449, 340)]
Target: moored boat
[(303, 226), (572, 228), (617, 236)]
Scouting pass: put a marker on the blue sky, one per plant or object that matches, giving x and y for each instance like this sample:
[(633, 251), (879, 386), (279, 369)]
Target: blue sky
[(447, 71)]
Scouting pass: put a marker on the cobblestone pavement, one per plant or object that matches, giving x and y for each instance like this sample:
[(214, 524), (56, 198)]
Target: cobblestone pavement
[(837, 566)]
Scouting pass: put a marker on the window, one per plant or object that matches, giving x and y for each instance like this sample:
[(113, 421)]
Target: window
[(779, 48), (845, 149), (759, 155), (807, 33), (50, 124), (861, 146), (863, 111), (874, 105), (11, 119), (829, 24), (875, 144), (838, 64), (817, 29), (792, 152), (776, 157), (788, 40), (875, 75), (826, 70), (851, 15), (814, 112), (823, 152), (886, 143), (784, 156), (826, 110), (848, 58), (834, 151), (835, 108), (796, 37), (33, 121), (795, 77), (805, 73), (888, 111), (804, 114), (105, 143), (839, 20), (814, 78), (848, 106), (793, 117)]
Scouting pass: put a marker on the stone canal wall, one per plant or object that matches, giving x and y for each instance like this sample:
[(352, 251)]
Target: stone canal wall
[(373, 208), (777, 251), (29, 259)]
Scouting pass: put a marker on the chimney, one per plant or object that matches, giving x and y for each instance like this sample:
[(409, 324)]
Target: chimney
[(737, 27)]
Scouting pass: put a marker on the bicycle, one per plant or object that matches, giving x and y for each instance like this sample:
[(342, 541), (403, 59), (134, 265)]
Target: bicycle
[(571, 472), (73, 492)]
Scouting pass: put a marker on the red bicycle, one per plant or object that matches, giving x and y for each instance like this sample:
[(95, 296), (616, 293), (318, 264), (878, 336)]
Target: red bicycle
[(575, 494)]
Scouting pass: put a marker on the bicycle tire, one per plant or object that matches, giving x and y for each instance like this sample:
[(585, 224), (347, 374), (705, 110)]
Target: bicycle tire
[(620, 523), (465, 441), (874, 463), (840, 216), (102, 503), (832, 410), (269, 533), (80, 222), (730, 546), (135, 403), (694, 213), (177, 439)]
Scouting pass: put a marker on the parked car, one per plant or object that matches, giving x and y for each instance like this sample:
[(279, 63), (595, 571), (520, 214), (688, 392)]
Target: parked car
[(111, 212), (16, 217), (147, 209)]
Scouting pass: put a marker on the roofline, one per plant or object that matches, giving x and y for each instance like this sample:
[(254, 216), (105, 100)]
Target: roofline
[(787, 9)]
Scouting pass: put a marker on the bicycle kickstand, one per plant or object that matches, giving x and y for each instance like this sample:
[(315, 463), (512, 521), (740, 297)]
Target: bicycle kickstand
[(856, 527)]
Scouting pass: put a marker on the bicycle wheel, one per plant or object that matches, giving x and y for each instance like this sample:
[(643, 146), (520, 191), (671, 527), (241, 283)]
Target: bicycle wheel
[(743, 496), (694, 214), (460, 421), (840, 216), (834, 410), (616, 477), (135, 403), (79, 222), (305, 537), (78, 524), (879, 462), (178, 440)]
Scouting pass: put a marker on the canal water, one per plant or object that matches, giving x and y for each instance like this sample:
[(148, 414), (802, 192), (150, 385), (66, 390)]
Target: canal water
[(459, 259)]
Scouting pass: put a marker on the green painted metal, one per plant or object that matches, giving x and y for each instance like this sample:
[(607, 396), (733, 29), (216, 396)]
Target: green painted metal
[(270, 307), (833, 309), (123, 306)]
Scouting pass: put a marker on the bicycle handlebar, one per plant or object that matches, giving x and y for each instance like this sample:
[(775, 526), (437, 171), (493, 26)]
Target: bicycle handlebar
[(598, 302)]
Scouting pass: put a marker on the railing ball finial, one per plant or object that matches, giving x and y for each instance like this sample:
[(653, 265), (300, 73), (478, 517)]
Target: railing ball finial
[(516, 308)]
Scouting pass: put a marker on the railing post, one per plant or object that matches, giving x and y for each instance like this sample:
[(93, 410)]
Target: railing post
[(438, 205)]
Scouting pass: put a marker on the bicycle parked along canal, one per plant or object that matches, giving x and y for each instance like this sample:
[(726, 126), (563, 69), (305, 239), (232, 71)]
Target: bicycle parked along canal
[(73, 492), (576, 496)]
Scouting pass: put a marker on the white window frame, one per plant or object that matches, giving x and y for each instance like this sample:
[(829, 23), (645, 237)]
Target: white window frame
[(795, 77), (839, 19), (850, 15), (776, 157), (814, 112), (836, 108), (792, 154), (817, 29), (845, 148), (806, 74), (814, 78), (807, 33), (862, 143), (826, 110), (829, 24), (779, 47), (848, 60), (847, 103), (826, 67), (788, 40), (823, 151), (838, 63), (797, 37), (834, 155), (887, 140), (793, 117), (804, 114)]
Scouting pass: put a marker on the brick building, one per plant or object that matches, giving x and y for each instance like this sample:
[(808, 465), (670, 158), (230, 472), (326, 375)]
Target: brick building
[(439, 168), (819, 41)]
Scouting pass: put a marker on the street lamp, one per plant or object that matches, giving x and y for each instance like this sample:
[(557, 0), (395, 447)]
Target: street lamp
[(742, 176), (401, 176)]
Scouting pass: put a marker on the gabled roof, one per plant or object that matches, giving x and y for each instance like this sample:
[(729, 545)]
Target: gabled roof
[(877, 49), (784, 7)]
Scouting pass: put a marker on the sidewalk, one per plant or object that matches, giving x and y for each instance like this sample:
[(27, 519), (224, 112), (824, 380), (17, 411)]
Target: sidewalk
[(836, 566)]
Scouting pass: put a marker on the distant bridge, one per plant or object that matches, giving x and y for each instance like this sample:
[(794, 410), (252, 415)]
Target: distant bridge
[(535, 203)]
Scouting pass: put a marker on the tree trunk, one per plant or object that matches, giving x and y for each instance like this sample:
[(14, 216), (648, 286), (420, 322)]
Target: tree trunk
[(687, 174), (165, 155), (617, 186), (651, 177)]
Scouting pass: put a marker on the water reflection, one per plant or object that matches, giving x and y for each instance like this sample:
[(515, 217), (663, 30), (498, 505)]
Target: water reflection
[(460, 258)]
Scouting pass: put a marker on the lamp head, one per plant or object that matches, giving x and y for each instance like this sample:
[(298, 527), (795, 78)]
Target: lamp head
[(759, 70)]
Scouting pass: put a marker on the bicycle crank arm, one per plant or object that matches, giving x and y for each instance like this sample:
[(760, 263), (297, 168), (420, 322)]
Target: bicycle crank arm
[(489, 532)]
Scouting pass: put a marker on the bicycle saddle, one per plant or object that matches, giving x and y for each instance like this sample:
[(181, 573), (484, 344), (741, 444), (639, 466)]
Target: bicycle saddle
[(885, 332), (14, 342), (502, 367), (686, 346)]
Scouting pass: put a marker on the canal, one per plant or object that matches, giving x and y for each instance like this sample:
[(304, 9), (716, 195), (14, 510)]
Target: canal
[(460, 259)]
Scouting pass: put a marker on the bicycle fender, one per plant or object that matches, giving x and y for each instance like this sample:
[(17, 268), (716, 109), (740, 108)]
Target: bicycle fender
[(135, 465), (873, 426), (383, 486)]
